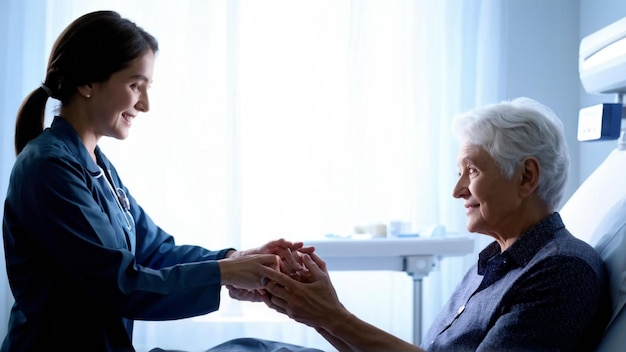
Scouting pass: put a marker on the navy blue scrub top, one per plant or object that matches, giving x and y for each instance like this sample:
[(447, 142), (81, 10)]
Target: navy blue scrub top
[(79, 274)]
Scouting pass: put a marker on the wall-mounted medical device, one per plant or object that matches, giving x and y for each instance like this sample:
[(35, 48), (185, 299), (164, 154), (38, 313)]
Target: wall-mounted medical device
[(600, 122), (602, 69)]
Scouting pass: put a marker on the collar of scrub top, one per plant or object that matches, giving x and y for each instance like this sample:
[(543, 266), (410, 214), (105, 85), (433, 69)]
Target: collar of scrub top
[(68, 134)]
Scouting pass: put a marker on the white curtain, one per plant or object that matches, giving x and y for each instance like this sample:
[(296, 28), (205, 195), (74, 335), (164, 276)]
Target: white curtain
[(297, 119), (22, 66)]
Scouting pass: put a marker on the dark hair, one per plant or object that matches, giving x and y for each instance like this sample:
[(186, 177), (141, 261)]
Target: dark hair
[(89, 50)]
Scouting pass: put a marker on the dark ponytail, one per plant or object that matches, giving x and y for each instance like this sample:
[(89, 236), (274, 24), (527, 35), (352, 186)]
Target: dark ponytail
[(30, 118), (89, 50)]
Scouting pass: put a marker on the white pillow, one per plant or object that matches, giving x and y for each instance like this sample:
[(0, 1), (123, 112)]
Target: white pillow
[(609, 240), (583, 211)]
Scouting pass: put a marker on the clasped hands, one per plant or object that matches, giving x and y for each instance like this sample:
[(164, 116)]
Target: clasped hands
[(293, 280), (280, 256)]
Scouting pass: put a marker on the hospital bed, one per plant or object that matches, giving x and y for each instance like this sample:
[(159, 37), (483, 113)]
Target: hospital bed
[(596, 212)]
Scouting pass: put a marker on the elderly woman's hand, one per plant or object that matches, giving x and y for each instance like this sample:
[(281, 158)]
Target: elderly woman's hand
[(312, 300)]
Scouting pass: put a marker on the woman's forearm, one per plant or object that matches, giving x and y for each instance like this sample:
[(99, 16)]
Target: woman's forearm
[(357, 335), (337, 343)]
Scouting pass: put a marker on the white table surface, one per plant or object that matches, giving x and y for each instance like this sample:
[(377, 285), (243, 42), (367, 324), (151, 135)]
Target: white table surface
[(386, 253)]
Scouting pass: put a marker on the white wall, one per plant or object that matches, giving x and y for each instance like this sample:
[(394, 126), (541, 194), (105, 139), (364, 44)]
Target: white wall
[(542, 62)]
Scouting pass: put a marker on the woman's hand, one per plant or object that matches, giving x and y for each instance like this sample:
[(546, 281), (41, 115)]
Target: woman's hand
[(290, 254), (241, 294), (245, 271)]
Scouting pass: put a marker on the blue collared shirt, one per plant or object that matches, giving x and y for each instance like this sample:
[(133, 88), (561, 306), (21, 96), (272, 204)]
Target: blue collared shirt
[(546, 292)]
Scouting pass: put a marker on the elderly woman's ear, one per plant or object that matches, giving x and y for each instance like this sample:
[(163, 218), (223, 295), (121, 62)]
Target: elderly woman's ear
[(531, 171)]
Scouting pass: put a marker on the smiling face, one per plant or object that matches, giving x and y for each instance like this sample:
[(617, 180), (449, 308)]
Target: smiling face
[(115, 102), (493, 203)]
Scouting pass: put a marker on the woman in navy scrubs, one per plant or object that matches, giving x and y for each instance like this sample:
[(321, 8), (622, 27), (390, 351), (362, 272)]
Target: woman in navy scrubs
[(83, 258)]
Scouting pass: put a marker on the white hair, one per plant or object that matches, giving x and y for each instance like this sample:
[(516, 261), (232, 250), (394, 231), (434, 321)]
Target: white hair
[(514, 130)]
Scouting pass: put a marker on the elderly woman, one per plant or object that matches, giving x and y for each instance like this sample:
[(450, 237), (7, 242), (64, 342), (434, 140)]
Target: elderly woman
[(535, 288)]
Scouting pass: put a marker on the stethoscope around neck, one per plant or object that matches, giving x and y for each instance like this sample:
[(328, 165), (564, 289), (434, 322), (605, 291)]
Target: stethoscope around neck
[(120, 198)]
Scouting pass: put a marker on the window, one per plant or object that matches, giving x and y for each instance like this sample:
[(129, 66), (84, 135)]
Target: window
[(294, 119)]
